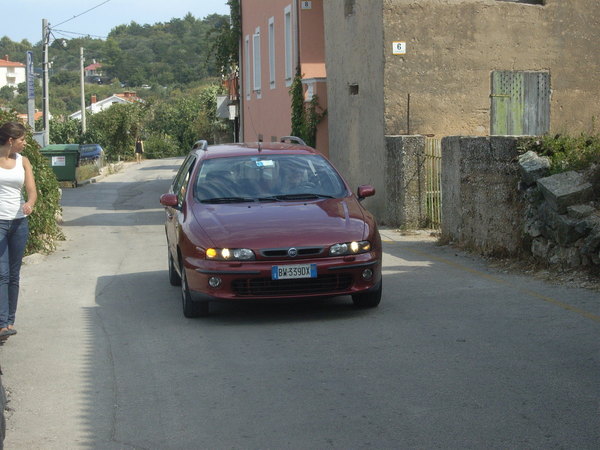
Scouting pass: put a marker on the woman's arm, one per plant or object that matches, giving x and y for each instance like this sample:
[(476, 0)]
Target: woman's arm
[(29, 187)]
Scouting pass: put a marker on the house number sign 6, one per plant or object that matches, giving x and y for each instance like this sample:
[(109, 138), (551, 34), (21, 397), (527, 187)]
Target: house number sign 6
[(399, 48)]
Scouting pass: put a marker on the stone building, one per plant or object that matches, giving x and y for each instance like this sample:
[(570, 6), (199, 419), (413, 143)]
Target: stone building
[(455, 67)]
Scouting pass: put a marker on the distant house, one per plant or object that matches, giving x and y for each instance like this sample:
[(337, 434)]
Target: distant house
[(100, 105), (93, 72), (11, 73), (37, 115)]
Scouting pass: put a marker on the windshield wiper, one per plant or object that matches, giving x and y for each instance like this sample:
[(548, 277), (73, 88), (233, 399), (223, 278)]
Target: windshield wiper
[(227, 200), (304, 196)]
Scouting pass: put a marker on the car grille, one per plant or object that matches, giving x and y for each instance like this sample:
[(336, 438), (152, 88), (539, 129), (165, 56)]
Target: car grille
[(283, 252), (265, 287)]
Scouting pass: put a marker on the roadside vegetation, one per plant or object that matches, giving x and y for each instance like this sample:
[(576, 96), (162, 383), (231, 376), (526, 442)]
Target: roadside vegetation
[(566, 153), (44, 230)]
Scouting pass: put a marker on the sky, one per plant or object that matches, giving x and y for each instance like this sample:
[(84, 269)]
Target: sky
[(22, 19)]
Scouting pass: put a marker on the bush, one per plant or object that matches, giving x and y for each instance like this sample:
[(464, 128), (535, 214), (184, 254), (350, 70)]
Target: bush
[(44, 230), (161, 146), (566, 152)]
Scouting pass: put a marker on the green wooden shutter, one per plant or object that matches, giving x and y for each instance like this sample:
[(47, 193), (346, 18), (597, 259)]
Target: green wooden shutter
[(520, 103)]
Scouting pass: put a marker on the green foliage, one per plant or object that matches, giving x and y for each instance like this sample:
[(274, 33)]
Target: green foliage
[(187, 116), (117, 129), (64, 131), (179, 52), (7, 93), (161, 146), (566, 152), (227, 40), (305, 119), (43, 227)]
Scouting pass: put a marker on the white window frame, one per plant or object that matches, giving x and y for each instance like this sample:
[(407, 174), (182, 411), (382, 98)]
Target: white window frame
[(272, 52), (247, 83), (288, 29), (256, 61)]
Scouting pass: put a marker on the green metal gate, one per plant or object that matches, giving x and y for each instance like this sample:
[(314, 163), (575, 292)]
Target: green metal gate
[(433, 182)]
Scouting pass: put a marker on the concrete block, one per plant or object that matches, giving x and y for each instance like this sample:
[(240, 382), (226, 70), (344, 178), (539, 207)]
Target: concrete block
[(580, 211), (532, 167), (565, 189)]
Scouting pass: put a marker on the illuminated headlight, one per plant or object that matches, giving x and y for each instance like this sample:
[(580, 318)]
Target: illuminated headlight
[(230, 254), (349, 248)]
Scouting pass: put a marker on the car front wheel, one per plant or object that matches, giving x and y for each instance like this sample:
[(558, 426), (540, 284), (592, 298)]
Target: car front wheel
[(368, 299), (191, 308)]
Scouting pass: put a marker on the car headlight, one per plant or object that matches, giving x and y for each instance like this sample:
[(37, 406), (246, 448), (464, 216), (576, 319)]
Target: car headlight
[(230, 254), (349, 248)]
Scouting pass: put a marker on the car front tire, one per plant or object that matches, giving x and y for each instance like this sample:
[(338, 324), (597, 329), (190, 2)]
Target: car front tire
[(369, 299), (191, 308)]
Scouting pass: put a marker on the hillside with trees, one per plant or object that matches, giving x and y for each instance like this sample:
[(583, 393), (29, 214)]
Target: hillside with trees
[(174, 67), (174, 54)]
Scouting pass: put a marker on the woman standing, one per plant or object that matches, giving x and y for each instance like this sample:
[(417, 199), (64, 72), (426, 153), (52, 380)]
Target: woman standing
[(139, 149), (15, 172)]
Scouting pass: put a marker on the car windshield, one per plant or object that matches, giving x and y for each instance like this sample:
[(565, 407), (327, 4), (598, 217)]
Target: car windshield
[(267, 178)]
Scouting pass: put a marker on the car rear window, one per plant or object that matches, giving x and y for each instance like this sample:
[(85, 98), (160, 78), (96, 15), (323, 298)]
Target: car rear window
[(264, 177)]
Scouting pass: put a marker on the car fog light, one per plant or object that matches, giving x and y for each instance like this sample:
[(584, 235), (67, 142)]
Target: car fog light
[(214, 282), (367, 274)]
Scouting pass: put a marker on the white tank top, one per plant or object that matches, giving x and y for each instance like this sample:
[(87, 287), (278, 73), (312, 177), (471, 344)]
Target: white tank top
[(11, 191)]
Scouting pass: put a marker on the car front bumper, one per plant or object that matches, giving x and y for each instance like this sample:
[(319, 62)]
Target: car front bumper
[(253, 280)]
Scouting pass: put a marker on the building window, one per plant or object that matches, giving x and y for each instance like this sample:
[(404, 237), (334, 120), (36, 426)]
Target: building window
[(256, 60), (289, 57), (272, 52), (247, 86)]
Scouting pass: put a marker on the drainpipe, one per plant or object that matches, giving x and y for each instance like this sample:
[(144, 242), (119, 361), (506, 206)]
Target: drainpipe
[(241, 92), (297, 49)]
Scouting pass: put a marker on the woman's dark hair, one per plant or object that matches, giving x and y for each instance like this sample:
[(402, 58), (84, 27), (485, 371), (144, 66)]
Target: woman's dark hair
[(13, 130)]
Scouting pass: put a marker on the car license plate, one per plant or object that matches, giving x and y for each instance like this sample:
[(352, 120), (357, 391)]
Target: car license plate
[(294, 271)]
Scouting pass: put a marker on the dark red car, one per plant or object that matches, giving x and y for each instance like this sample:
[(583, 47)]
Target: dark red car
[(268, 221)]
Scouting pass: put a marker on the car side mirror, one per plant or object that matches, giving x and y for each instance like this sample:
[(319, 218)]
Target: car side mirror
[(364, 191), (170, 200)]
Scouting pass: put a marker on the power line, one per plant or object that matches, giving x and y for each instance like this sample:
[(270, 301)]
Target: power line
[(85, 12), (67, 33)]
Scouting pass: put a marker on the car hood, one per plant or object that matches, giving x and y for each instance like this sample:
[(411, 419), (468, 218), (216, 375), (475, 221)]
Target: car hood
[(264, 225)]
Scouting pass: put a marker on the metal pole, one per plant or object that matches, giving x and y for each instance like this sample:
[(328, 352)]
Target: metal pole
[(83, 124), (46, 104), (30, 91)]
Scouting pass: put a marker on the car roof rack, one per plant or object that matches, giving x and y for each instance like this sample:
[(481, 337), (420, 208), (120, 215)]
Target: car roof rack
[(292, 139), (201, 144)]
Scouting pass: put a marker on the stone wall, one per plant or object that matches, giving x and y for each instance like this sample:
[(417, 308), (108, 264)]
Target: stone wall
[(562, 220), (405, 181), (482, 208), (500, 203)]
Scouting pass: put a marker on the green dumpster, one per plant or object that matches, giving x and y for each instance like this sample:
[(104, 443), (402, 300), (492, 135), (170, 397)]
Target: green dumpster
[(64, 159)]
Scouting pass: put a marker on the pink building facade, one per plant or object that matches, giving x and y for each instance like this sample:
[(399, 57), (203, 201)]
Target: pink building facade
[(279, 36)]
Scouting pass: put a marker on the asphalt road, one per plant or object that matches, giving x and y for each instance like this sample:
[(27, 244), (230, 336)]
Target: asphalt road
[(457, 356)]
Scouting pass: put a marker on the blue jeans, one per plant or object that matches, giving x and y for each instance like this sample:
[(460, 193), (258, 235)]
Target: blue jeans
[(13, 237)]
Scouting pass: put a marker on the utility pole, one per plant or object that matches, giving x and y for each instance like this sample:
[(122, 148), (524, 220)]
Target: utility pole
[(46, 102), (81, 59)]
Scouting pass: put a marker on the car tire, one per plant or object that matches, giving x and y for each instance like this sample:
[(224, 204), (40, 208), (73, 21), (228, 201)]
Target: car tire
[(174, 277), (191, 309), (369, 299)]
